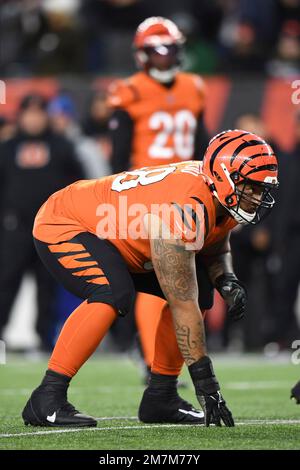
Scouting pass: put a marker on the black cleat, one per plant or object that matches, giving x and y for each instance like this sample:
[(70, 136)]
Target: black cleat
[(295, 393), (163, 408), (48, 406)]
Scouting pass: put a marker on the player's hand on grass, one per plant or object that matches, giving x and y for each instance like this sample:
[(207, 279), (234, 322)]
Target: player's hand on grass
[(215, 409), (208, 393), (234, 294), (295, 393)]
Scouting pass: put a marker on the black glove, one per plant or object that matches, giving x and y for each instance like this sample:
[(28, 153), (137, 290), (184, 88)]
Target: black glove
[(295, 393), (208, 393), (234, 294)]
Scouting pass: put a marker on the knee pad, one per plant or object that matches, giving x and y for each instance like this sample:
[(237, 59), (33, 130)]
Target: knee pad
[(125, 301), (121, 299)]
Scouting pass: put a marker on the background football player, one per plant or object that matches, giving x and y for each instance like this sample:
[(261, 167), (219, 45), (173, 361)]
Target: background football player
[(295, 393), (157, 118)]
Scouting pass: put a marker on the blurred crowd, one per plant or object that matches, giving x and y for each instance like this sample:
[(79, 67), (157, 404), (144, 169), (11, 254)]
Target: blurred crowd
[(266, 257), (44, 37), (75, 38), (44, 149)]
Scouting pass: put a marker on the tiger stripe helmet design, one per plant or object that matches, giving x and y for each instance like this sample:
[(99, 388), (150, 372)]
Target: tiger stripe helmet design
[(157, 31), (234, 160), (162, 36)]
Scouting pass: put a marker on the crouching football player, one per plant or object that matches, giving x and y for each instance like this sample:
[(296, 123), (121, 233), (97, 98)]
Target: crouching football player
[(179, 258)]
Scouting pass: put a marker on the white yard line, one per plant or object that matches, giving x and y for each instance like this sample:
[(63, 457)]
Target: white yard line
[(251, 422), (121, 418), (257, 385), (239, 385), (230, 360), (75, 390)]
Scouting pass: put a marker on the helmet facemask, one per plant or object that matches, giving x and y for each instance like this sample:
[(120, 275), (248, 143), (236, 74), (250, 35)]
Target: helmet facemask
[(251, 201), (161, 62), (158, 48)]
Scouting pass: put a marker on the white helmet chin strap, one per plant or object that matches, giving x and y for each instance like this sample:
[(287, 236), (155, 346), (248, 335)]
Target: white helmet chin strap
[(241, 216), (163, 76)]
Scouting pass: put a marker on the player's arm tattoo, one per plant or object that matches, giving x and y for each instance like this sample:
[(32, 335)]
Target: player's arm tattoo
[(176, 273), (174, 267), (188, 342)]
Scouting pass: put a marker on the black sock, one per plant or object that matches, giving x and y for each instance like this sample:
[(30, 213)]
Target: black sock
[(162, 384), (54, 380)]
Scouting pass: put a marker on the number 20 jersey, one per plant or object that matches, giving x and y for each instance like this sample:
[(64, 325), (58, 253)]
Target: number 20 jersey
[(165, 118), (84, 205)]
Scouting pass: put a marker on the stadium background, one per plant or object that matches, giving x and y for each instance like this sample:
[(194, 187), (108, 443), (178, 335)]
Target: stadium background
[(248, 52)]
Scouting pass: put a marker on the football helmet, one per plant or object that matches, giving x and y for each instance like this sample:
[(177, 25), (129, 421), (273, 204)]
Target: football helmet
[(241, 171), (158, 48)]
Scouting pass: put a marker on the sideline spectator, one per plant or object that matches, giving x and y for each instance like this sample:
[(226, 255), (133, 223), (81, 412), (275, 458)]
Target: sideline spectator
[(63, 120), (33, 164)]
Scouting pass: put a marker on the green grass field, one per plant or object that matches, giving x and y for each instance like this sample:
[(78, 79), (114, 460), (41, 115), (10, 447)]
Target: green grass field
[(109, 388)]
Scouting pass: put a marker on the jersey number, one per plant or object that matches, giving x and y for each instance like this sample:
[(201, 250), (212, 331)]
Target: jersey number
[(131, 179), (181, 127)]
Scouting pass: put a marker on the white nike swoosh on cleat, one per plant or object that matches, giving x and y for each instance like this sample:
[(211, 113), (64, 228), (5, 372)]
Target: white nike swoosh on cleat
[(196, 414), (52, 418)]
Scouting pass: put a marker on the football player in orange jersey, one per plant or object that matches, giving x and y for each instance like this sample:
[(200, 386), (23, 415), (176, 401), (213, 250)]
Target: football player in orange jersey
[(90, 238), (157, 113), (157, 118)]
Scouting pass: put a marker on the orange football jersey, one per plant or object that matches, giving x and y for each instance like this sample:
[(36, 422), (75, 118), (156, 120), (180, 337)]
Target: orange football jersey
[(165, 119), (113, 208)]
